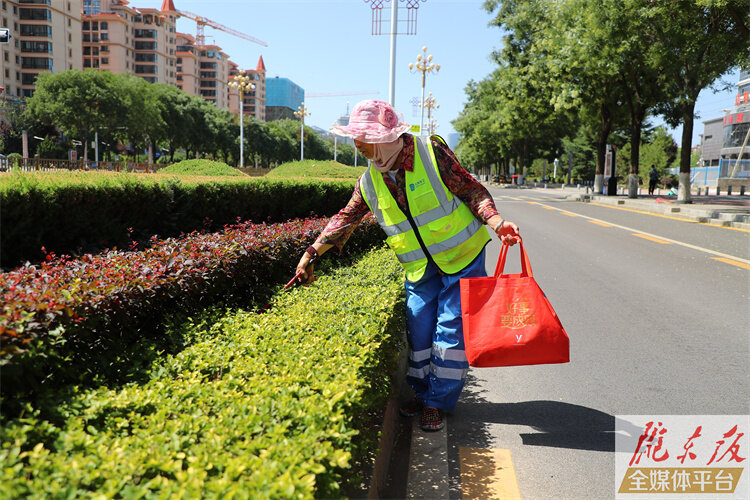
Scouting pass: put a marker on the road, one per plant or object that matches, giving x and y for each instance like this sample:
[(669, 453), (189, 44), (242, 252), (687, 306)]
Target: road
[(658, 318)]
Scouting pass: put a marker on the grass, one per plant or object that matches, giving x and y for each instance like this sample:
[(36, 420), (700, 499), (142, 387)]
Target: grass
[(201, 167), (316, 169)]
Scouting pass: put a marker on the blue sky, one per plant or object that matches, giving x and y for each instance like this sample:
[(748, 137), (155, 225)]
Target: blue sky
[(326, 46)]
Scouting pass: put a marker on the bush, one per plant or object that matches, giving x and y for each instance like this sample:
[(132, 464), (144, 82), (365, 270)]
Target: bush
[(77, 212), (316, 169), (262, 406), (201, 167), (669, 181), (92, 309)]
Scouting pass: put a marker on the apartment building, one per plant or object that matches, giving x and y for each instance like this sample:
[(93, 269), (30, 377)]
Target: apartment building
[(187, 64), (254, 101), (123, 39), (284, 98), (46, 36)]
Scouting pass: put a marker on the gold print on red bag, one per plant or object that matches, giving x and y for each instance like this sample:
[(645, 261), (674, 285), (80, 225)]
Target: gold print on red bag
[(519, 314)]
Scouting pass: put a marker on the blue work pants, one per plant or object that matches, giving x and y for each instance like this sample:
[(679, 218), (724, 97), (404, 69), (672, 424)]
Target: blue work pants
[(437, 360)]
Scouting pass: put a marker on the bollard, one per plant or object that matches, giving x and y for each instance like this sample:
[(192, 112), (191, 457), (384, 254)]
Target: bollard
[(729, 190), (742, 190), (699, 191), (718, 191)]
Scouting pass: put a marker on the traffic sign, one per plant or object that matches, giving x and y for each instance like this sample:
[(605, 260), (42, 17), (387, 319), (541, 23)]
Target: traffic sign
[(5, 35)]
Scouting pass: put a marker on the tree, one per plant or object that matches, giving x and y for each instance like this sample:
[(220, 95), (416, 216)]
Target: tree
[(78, 102), (694, 43)]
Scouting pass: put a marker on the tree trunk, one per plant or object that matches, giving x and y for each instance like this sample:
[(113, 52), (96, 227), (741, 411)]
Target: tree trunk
[(636, 124), (683, 191), (601, 147)]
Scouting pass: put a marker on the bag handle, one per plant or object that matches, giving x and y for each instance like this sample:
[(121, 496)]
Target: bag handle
[(525, 264)]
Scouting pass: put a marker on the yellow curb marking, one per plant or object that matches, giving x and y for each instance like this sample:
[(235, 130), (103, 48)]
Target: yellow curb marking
[(673, 218), (732, 262), (570, 214), (645, 213), (681, 243), (651, 238), (488, 473), (603, 224)]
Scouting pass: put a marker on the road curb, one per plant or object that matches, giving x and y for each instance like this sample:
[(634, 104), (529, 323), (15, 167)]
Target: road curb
[(719, 215)]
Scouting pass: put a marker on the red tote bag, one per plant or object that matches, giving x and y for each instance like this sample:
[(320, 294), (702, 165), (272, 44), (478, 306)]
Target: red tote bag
[(508, 320)]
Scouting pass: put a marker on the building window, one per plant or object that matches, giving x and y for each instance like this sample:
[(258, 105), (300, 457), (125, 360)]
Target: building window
[(104, 36), (36, 30), (105, 60), (179, 78), (87, 63), (104, 48), (145, 45), (142, 68), (95, 26), (145, 33), (104, 25), (87, 51), (29, 78), (7, 73), (35, 15), (5, 55), (145, 57), (86, 26), (28, 92), (86, 37), (36, 63), (69, 23)]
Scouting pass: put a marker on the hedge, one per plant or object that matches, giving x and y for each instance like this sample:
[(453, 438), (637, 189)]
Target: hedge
[(95, 309), (79, 212), (271, 405)]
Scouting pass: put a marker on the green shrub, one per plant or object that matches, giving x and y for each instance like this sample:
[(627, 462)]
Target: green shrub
[(320, 169), (200, 167), (261, 406), (79, 212)]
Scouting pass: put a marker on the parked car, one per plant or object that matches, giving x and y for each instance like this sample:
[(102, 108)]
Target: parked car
[(500, 179)]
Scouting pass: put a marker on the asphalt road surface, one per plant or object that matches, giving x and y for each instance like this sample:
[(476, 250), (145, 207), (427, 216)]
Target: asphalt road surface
[(657, 314)]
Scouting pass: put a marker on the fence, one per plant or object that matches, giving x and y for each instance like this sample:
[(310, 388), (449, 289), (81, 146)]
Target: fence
[(42, 164)]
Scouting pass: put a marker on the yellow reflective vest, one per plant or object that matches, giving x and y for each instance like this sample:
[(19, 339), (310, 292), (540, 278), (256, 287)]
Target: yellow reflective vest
[(439, 226)]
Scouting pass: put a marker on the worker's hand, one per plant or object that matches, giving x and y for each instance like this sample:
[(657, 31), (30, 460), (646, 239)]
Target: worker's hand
[(507, 232), (305, 270)]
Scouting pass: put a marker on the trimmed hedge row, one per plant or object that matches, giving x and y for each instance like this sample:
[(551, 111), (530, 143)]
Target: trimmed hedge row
[(264, 406), (96, 308), (78, 215)]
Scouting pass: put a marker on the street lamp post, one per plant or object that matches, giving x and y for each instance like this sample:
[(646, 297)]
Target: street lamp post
[(301, 113), (430, 104), (242, 83), (423, 65)]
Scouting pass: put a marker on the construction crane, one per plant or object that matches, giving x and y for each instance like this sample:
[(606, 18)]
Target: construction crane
[(201, 22), (338, 94)]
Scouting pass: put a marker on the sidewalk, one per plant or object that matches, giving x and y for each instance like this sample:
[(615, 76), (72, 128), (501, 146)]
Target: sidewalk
[(728, 211)]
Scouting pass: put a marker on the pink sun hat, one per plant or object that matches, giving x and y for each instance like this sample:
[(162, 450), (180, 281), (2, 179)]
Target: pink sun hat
[(373, 122)]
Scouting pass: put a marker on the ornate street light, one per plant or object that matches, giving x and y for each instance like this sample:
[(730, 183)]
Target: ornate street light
[(301, 113), (241, 82), (423, 65), (430, 104)]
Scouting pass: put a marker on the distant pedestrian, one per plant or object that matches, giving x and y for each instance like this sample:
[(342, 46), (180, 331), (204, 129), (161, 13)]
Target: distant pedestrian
[(433, 212), (653, 178)]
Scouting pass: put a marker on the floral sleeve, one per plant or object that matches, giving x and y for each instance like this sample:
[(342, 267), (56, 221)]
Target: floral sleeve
[(341, 226), (462, 184)]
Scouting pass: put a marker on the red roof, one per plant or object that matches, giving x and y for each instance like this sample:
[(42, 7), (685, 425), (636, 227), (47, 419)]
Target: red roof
[(261, 66), (167, 6)]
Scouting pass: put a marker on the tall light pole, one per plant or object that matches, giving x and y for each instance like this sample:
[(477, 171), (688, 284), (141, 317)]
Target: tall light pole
[(423, 65), (301, 113), (430, 104), (241, 82)]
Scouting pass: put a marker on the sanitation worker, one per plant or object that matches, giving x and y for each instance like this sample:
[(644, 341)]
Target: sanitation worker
[(432, 212)]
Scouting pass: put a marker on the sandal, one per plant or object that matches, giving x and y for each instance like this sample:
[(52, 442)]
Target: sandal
[(411, 408), (432, 419)]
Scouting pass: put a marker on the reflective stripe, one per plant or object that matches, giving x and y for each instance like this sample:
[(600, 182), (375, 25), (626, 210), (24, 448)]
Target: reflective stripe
[(437, 212), (412, 256), (432, 174), (371, 197), (418, 356), (457, 239), (448, 354), (448, 373), (418, 372)]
